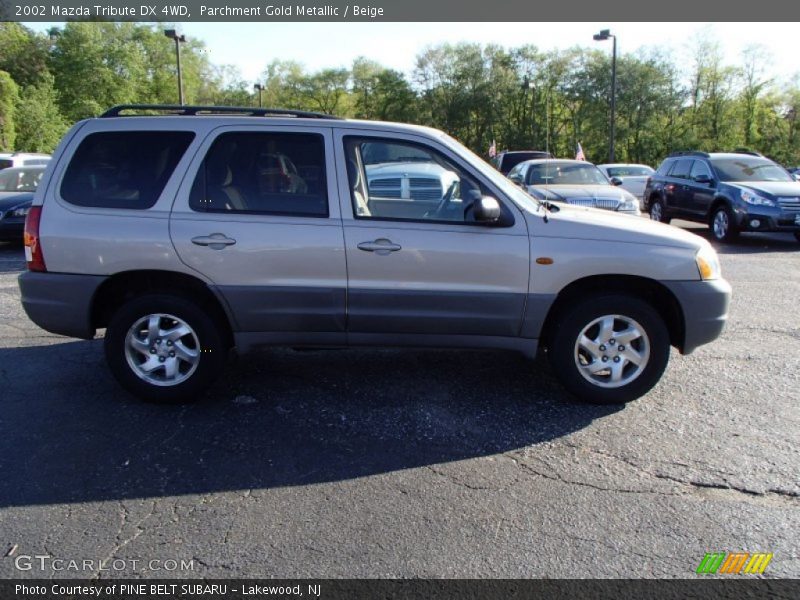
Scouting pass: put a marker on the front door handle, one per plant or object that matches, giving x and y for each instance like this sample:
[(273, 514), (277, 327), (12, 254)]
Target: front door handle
[(215, 241), (380, 246)]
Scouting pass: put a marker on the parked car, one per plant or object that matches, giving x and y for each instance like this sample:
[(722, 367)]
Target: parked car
[(574, 182), (419, 181), (22, 159), (630, 177), (733, 192), (155, 228), (508, 159), (17, 186)]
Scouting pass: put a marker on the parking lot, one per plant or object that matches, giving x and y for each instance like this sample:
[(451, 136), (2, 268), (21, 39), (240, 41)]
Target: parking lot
[(389, 463)]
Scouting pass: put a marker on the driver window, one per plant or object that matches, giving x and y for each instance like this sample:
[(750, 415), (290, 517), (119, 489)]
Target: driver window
[(404, 181)]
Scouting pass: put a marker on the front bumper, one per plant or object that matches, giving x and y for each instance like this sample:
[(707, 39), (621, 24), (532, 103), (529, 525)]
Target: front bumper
[(11, 229), (60, 303), (752, 218), (704, 305)]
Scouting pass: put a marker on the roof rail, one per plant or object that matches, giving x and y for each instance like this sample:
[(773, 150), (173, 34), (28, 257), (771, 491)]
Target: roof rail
[(184, 110), (689, 153), (747, 151)]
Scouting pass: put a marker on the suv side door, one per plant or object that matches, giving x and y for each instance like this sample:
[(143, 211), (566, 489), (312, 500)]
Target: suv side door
[(269, 241), (439, 274), (676, 188), (701, 193)]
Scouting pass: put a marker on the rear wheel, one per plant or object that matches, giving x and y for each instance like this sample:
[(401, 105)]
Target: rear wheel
[(658, 212), (723, 224), (610, 349), (164, 348)]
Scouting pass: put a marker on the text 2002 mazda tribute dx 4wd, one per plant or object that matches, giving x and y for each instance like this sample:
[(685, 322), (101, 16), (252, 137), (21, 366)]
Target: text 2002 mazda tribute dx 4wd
[(181, 235)]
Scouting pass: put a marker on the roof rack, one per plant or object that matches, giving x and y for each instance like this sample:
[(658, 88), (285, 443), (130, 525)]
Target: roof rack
[(747, 151), (183, 110), (689, 153)]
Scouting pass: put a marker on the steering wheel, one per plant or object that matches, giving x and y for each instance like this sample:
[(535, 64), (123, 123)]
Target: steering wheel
[(444, 202)]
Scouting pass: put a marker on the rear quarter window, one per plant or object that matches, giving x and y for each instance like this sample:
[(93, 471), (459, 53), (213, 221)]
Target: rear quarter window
[(124, 169)]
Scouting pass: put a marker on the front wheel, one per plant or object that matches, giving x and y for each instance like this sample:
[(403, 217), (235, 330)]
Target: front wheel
[(610, 349), (164, 349), (723, 224)]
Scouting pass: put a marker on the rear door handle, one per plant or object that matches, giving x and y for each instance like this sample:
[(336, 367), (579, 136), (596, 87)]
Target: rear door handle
[(215, 241), (380, 246)]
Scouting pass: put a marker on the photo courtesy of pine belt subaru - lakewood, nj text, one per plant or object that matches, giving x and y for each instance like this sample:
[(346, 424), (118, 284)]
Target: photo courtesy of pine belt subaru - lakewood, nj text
[(187, 232)]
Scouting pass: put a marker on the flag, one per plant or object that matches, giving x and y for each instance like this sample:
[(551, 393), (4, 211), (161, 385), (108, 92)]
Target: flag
[(493, 149), (579, 155)]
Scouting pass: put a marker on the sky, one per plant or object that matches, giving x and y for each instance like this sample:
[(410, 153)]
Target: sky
[(251, 46)]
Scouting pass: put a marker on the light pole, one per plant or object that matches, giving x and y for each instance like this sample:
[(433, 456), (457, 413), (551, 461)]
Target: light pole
[(260, 89), (527, 83), (601, 37), (179, 39)]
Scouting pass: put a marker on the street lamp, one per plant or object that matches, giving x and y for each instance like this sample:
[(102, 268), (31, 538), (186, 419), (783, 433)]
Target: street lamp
[(527, 83), (601, 37), (260, 89), (179, 39)]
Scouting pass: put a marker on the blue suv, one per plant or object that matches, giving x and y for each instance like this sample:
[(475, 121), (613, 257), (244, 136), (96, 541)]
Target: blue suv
[(733, 192)]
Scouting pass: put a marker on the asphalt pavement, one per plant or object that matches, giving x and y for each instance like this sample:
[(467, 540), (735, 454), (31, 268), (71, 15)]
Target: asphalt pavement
[(405, 463)]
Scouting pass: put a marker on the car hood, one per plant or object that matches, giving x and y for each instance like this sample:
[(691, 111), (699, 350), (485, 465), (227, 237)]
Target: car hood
[(776, 188), (583, 223), (12, 199), (569, 192)]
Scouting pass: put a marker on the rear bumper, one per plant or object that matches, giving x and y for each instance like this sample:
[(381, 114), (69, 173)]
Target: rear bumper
[(60, 303), (704, 305)]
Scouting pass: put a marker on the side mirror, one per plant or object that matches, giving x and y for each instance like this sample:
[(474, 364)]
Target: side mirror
[(796, 176), (703, 178), (487, 210), (616, 181)]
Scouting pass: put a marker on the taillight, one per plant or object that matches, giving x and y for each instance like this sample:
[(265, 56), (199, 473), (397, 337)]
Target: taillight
[(33, 246)]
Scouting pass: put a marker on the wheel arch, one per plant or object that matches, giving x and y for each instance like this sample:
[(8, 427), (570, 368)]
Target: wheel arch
[(649, 290), (123, 286)]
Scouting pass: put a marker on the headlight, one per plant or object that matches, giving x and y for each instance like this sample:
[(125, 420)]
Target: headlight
[(755, 199), (708, 263), (630, 205), (20, 212)]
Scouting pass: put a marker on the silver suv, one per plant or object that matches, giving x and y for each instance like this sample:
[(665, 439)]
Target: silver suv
[(166, 230)]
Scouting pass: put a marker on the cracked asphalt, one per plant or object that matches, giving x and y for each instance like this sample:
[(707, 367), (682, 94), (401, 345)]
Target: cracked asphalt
[(384, 463)]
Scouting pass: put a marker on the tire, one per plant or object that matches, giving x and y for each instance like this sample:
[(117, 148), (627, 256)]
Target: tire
[(609, 385), (194, 339), (723, 224), (658, 212)]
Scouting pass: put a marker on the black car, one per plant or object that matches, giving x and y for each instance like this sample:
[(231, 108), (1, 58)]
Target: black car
[(17, 185), (733, 192), (507, 160)]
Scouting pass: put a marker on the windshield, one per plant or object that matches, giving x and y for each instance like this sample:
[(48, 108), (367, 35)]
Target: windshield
[(628, 171), (20, 180), (559, 173), (749, 169)]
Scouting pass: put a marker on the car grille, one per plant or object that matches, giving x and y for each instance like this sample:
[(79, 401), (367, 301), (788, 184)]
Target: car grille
[(424, 188), (416, 188), (606, 203), (789, 203), (386, 188)]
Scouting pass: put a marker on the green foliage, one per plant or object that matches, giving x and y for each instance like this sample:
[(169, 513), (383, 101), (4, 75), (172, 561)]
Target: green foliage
[(519, 97), (9, 95)]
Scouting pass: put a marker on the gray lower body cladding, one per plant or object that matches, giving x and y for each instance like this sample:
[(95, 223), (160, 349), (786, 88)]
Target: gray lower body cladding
[(704, 305), (60, 303)]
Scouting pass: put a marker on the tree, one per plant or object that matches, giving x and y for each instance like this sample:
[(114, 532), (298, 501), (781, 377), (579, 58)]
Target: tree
[(9, 96), (40, 125)]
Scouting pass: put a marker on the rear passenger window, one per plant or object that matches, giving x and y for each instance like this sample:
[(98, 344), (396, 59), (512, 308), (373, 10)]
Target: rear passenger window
[(125, 169), (263, 173), (681, 168)]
